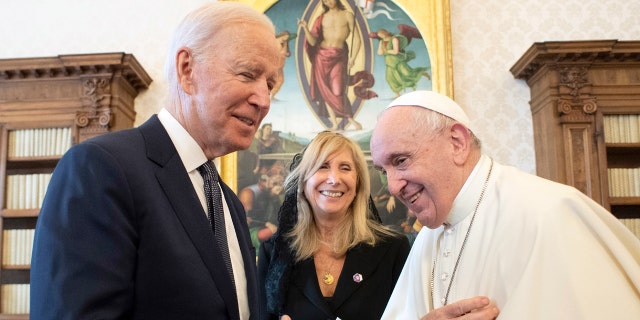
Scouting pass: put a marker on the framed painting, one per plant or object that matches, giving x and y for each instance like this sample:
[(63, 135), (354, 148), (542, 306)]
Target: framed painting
[(338, 75)]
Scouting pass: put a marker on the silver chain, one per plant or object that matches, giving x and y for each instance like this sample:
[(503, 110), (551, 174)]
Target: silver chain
[(464, 242)]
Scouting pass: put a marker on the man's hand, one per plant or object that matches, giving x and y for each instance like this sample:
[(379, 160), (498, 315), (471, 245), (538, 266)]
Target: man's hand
[(477, 308)]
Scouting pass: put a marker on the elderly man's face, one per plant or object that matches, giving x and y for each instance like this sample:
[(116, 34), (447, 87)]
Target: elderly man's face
[(419, 167), (231, 93)]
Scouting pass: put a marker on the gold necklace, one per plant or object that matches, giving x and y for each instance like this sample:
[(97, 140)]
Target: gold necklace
[(328, 278), (464, 242)]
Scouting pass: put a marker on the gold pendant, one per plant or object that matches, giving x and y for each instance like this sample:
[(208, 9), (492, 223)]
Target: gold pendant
[(327, 278)]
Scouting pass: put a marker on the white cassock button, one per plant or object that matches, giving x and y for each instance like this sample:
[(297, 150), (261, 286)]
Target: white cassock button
[(447, 253), (442, 301), (444, 276)]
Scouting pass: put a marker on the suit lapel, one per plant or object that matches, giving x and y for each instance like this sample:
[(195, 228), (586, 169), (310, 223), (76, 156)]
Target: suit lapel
[(307, 282), (361, 261), (179, 191)]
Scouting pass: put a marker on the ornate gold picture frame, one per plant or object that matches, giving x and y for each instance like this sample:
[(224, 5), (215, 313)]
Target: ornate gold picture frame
[(430, 17)]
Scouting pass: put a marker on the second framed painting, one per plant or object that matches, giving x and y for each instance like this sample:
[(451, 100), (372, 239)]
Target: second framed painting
[(340, 71)]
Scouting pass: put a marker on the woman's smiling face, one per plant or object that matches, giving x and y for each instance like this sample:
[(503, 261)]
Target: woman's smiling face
[(332, 188)]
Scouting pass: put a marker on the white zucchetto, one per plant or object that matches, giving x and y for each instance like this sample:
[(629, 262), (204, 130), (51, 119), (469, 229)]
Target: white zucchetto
[(433, 101)]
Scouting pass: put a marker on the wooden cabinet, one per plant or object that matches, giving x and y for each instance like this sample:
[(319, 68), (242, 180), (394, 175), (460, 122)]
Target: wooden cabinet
[(585, 106), (46, 106)]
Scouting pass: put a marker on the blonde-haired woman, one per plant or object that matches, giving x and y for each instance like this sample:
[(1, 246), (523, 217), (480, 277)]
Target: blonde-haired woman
[(331, 257)]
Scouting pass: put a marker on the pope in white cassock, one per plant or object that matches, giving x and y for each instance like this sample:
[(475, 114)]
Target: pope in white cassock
[(538, 249)]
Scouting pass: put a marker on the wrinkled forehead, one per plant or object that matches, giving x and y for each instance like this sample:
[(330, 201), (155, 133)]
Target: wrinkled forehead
[(394, 120), (392, 133)]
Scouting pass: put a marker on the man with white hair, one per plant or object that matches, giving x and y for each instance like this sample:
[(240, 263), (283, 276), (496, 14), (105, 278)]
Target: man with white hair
[(136, 224), (538, 249)]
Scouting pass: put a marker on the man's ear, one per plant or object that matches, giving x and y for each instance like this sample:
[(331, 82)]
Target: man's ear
[(184, 69), (461, 140)]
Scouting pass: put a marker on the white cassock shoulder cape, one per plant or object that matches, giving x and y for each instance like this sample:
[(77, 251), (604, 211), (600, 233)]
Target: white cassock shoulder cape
[(539, 249)]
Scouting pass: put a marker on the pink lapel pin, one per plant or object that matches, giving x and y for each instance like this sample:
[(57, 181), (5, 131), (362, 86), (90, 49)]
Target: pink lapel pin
[(357, 278)]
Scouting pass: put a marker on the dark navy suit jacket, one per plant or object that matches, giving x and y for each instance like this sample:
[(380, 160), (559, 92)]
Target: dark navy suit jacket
[(122, 235)]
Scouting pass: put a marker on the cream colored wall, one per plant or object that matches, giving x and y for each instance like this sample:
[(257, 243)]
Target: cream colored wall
[(489, 36), (142, 27)]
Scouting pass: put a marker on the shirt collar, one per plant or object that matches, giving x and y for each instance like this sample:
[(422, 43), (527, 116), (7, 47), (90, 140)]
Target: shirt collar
[(188, 149), (467, 199)]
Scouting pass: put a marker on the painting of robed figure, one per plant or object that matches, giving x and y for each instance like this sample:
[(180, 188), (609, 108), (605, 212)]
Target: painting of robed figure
[(344, 61)]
